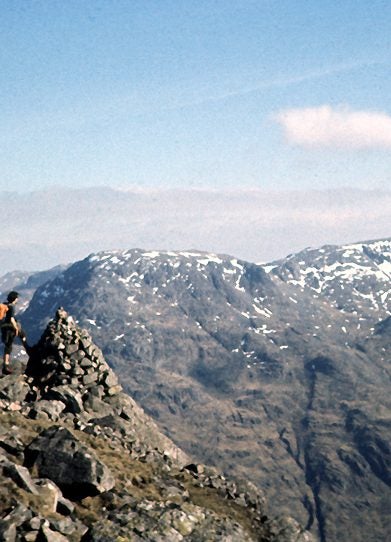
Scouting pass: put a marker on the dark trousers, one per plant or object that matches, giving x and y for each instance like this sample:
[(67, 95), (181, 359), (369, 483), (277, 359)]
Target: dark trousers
[(8, 336)]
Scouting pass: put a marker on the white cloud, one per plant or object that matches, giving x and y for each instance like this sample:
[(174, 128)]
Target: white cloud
[(339, 128)]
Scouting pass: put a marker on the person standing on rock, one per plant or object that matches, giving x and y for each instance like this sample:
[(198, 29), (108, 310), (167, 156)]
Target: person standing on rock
[(11, 328)]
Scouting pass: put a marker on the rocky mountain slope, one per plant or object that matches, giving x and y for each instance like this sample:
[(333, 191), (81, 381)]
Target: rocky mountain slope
[(26, 283), (80, 461), (278, 373), (353, 278)]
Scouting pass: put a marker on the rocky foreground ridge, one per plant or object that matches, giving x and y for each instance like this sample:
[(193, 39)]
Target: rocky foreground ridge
[(80, 461)]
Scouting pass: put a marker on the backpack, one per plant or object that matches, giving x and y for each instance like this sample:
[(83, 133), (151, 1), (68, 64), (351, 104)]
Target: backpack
[(3, 310)]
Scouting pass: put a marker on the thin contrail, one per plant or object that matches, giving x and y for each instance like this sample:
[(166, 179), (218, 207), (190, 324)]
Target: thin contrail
[(280, 82)]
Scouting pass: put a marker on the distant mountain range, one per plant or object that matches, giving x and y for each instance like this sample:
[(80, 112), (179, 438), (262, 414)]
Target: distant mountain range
[(278, 373), (26, 283)]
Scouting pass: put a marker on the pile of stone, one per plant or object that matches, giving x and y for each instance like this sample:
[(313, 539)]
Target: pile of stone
[(65, 356), (69, 380)]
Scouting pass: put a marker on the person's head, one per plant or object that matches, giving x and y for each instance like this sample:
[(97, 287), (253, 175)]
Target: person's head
[(12, 296)]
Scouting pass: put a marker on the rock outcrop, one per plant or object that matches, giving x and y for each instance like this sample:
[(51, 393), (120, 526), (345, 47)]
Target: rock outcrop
[(80, 461)]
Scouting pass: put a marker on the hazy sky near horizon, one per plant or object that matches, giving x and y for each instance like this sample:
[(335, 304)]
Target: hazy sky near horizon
[(45, 228), (287, 94)]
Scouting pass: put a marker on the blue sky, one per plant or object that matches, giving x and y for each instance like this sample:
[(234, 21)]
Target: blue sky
[(219, 93)]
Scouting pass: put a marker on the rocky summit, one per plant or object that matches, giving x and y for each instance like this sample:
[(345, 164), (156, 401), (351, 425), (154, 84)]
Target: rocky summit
[(278, 373), (80, 461)]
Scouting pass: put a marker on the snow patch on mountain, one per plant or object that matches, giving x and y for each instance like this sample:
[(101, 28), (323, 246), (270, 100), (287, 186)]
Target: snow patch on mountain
[(354, 278)]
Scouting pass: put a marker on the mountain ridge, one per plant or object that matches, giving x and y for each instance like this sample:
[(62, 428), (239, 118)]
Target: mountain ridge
[(364, 264), (271, 380)]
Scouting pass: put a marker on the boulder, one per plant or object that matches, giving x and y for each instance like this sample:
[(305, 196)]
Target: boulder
[(50, 495), (65, 507), (7, 531), (71, 398), (11, 443), (14, 388), (18, 474), (57, 454), (286, 529), (10, 523), (45, 408), (71, 528), (47, 535)]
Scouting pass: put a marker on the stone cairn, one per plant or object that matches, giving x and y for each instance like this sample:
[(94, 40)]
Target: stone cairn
[(66, 363), (69, 380)]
